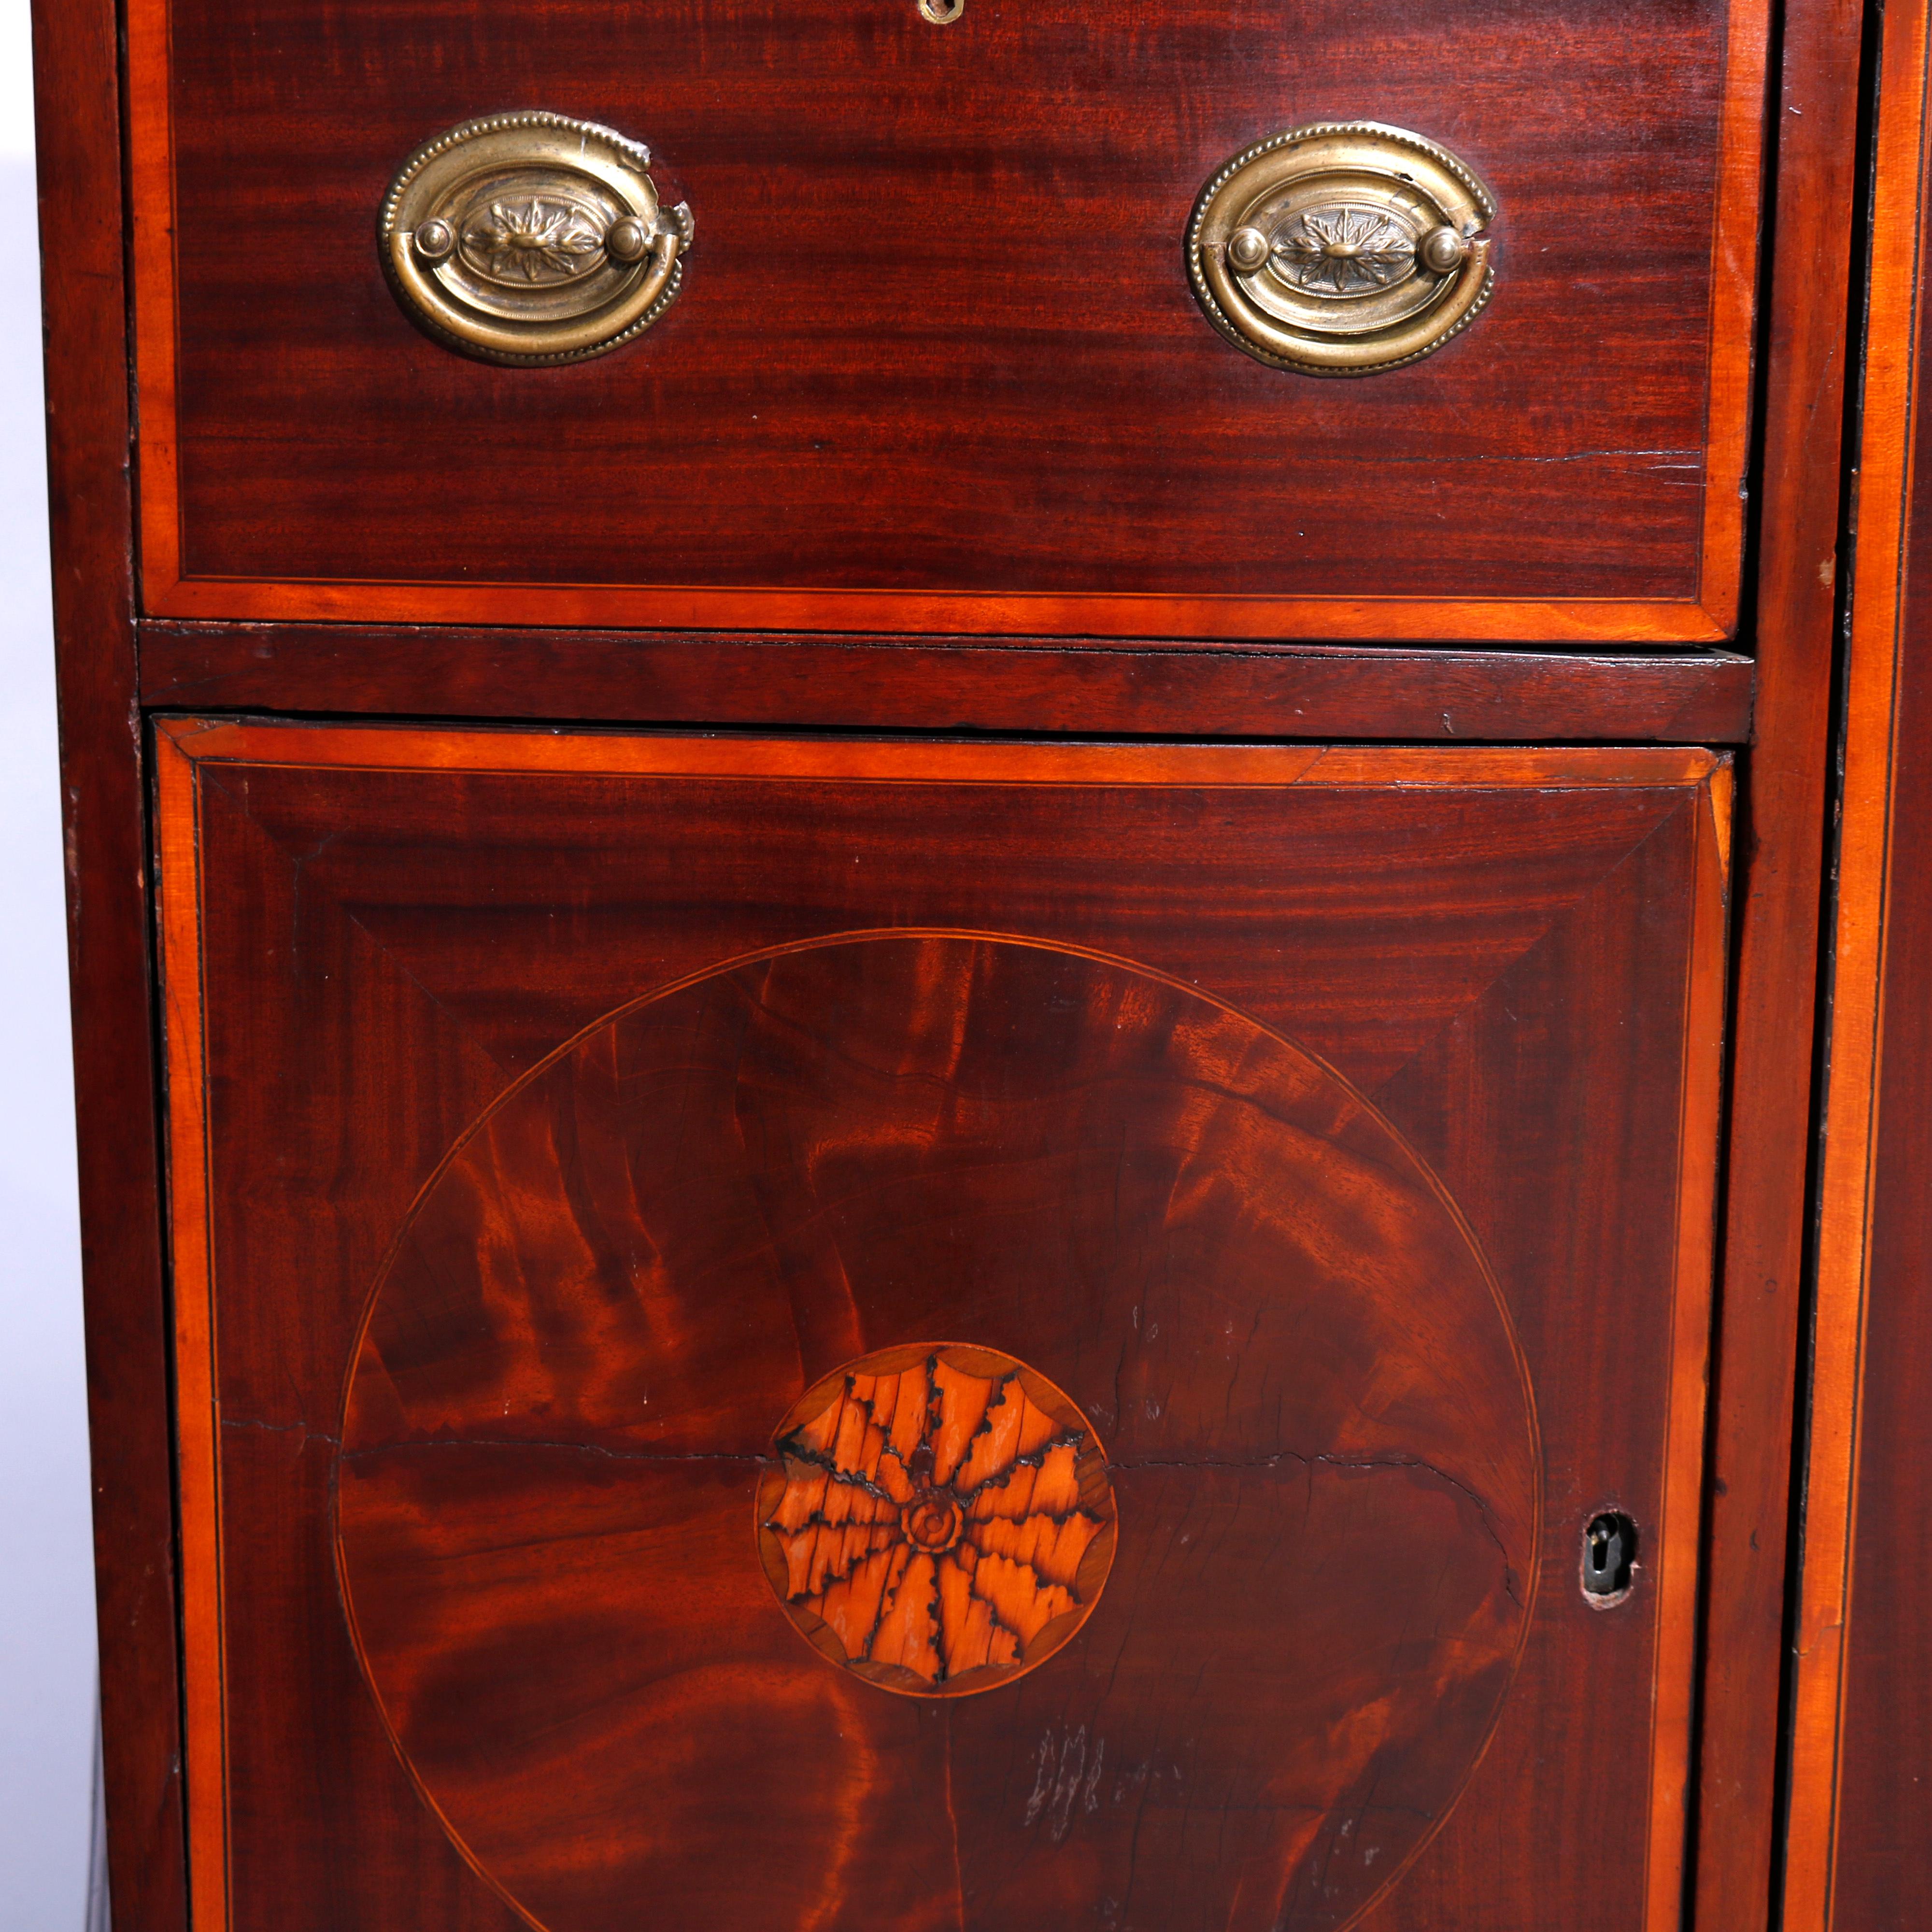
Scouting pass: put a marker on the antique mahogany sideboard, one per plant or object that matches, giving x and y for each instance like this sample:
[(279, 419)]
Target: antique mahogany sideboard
[(999, 964)]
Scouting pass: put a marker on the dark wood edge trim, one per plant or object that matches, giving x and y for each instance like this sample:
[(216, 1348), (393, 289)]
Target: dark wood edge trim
[(1816, 162), (78, 123), (1313, 691), (1887, 456)]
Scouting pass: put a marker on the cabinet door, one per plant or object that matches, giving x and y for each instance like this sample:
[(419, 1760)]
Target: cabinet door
[(945, 354), (822, 1335)]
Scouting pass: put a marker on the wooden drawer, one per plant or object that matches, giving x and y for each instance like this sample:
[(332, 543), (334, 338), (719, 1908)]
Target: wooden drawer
[(1302, 1159), (936, 365)]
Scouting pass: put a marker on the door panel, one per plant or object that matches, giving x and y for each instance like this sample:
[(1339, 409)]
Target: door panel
[(1260, 1199), (935, 364)]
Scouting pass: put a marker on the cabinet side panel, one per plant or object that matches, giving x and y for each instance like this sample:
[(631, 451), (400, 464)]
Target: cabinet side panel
[(1859, 1817), (1884, 1862), (1780, 846), (77, 126)]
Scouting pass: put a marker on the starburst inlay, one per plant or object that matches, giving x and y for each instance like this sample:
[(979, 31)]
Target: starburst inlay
[(943, 1519)]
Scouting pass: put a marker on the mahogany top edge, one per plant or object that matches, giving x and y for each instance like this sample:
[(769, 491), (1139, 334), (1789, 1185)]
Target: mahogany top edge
[(1049, 685)]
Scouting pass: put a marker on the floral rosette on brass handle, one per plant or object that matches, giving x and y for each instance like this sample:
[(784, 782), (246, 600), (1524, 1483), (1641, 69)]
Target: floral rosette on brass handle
[(532, 239), (1341, 248)]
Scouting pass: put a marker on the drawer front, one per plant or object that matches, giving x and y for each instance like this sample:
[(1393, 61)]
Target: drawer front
[(811, 1335), (934, 362)]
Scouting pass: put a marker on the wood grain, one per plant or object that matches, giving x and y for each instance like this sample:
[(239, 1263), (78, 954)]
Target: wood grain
[(1855, 1855), (405, 748), (77, 119), (851, 422), (854, 1142), (909, 683), (1781, 845), (1513, 955)]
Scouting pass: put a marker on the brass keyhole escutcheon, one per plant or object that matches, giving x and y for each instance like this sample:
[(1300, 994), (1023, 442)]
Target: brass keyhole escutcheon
[(941, 12), (532, 239), (1341, 248)]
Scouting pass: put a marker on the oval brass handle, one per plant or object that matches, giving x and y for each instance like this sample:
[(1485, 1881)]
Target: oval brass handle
[(532, 239), (1341, 248)]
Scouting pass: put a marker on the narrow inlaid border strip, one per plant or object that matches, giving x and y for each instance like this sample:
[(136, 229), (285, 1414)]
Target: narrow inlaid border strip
[(197, 1409), (685, 755), (1674, 1679)]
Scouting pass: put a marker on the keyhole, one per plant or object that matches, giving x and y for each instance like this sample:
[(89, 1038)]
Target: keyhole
[(942, 12), (1609, 1557)]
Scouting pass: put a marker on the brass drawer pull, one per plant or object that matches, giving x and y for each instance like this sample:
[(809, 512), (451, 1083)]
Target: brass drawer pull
[(1341, 248), (532, 239)]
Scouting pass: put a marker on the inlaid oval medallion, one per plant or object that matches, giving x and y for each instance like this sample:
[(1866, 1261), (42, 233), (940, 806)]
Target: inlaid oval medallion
[(940, 1518), (932, 1429)]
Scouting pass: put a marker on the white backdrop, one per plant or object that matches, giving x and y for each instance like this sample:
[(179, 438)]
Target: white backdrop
[(47, 1605)]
